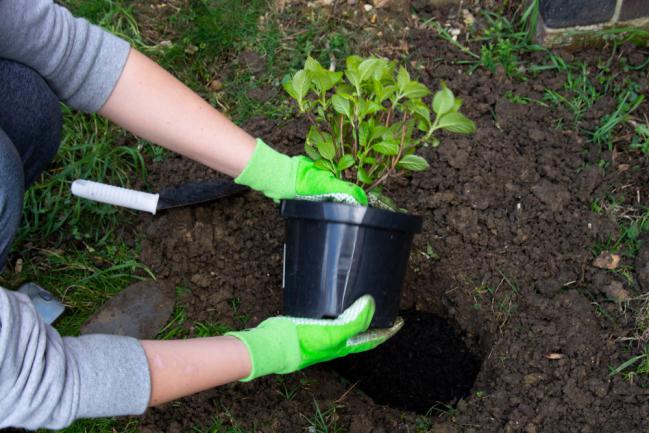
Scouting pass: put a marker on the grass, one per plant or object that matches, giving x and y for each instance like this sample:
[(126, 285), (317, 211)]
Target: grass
[(501, 299), (323, 421)]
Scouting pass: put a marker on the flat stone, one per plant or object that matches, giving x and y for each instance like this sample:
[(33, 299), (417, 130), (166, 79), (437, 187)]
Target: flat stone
[(140, 311), (563, 13), (633, 9)]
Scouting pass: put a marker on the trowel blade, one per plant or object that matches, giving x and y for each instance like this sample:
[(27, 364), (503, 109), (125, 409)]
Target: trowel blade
[(198, 192)]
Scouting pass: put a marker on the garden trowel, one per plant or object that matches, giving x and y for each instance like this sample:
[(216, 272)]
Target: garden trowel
[(184, 195)]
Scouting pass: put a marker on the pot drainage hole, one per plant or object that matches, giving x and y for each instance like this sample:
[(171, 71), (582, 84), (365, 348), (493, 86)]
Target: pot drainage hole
[(426, 364)]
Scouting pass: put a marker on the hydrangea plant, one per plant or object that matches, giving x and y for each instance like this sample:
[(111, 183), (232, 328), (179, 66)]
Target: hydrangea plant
[(368, 121)]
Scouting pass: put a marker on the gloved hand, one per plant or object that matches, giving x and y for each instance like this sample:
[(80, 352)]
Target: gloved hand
[(279, 176), (283, 344)]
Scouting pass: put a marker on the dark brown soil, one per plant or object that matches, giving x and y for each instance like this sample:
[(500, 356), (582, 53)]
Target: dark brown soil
[(508, 212)]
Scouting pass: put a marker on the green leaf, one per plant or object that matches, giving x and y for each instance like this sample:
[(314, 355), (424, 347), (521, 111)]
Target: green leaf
[(341, 105), (326, 147), (414, 89), (456, 122), (403, 78), (352, 62), (323, 164), (457, 105), (377, 132), (301, 84), (443, 101), (324, 80), (369, 107), (388, 91), (362, 175), (370, 160), (321, 141), (420, 109), (312, 64), (354, 77), (389, 148), (311, 152), (345, 162), (364, 132), (413, 163), (288, 86), (370, 67)]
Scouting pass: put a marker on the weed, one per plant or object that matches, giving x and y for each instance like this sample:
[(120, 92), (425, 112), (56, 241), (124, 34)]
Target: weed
[(501, 299), (178, 326), (628, 101), (641, 139), (430, 253), (323, 421), (286, 390), (102, 425), (216, 426)]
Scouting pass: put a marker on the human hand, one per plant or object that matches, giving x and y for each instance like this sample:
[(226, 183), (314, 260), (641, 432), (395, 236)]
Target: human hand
[(282, 344), (279, 176)]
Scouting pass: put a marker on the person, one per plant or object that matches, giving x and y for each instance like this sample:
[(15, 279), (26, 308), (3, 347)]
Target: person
[(47, 381)]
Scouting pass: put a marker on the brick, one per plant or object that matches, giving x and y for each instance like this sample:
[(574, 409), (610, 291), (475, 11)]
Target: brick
[(570, 13), (632, 9)]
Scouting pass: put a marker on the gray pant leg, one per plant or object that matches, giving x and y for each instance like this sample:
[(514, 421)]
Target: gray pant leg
[(11, 194), (30, 115)]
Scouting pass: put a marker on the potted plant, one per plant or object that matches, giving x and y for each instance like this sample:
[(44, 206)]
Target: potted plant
[(366, 125)]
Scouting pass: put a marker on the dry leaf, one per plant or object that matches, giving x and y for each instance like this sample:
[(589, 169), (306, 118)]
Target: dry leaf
[(607, 260), (216, 85), (555, 356)]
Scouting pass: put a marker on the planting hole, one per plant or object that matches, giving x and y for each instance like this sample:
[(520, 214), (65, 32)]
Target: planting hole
[(426, 364)]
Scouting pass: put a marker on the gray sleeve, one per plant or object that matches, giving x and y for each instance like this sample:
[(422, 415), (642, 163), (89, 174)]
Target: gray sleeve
[(81, 62), (47, 381)]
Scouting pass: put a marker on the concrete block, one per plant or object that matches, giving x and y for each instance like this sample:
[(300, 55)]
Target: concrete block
[(573, 13)]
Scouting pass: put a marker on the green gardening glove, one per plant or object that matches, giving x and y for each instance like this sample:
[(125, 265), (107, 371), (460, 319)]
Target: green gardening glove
[(279, 176), (283, 344)]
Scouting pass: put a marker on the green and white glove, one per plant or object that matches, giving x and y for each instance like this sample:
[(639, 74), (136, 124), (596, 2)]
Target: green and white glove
[(279, 176), (282, 345)]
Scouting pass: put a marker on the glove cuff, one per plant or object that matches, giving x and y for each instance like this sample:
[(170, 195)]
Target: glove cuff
[(272, 349), (270, 172)]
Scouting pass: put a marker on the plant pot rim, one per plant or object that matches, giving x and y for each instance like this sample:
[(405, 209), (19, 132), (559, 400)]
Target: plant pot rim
[(350, 214)]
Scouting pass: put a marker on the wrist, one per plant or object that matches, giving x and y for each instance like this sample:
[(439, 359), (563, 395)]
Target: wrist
[(269, 172), (272, 348)]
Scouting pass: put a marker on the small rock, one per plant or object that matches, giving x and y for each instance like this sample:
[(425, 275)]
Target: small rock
[(530, 428), (532, 379), (138, 311), (216, 85), (607, 260), (616, 291), (468, 18)]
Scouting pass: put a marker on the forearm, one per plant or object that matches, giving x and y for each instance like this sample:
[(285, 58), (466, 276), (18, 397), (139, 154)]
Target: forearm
[(151, 103), (183, 367)]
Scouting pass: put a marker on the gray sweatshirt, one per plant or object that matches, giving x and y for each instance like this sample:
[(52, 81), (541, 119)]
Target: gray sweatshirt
[(45, 380)]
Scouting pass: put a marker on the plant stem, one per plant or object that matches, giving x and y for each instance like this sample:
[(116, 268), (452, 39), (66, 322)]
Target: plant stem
[(342, 145), (395, 161)]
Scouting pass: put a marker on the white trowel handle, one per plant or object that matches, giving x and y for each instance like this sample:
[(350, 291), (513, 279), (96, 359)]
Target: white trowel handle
[(115, 195)]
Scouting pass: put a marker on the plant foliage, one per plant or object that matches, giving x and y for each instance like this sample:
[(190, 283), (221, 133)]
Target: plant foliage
[(368, 121)]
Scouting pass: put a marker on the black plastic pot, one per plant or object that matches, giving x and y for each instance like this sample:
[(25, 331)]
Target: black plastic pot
[(335, 253)]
